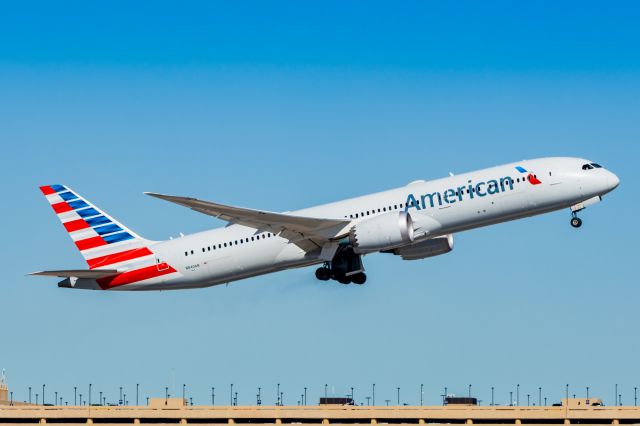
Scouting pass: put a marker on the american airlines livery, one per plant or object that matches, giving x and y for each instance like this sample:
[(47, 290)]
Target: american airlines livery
[(414, 222)]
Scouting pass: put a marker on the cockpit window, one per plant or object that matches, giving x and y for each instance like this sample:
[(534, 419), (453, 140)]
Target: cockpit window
[(596, 165), (587, 167)]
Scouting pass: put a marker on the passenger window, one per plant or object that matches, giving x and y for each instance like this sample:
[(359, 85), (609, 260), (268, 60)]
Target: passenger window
[(587, 167), (384, 209), (225, 244), (191, 251), (186, 254)]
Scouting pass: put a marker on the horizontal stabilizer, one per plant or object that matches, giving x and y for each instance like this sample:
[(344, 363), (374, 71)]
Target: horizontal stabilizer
[(260, 219), (78, 273)]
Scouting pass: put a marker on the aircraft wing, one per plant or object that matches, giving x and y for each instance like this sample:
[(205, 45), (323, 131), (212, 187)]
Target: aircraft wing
[(301, 226), (78, 273)]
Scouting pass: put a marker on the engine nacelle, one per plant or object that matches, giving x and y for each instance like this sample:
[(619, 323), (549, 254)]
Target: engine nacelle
[(384, 232), (428, 248)]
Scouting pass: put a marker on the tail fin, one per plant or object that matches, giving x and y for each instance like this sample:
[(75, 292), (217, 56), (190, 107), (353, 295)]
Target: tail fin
[(102, 241)]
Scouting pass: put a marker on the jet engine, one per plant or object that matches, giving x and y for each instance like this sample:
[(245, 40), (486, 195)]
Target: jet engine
[(427, 248), (383, 232)]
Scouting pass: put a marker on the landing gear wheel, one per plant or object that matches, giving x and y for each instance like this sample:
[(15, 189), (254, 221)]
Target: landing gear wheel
[(359, 278), (323, 274), (576, 222), (342, 278)]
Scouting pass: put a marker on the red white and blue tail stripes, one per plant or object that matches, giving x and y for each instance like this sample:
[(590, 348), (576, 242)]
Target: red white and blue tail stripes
[(103, 241)]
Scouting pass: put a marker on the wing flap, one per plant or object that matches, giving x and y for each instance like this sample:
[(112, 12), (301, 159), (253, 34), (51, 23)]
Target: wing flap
[(78, 273)]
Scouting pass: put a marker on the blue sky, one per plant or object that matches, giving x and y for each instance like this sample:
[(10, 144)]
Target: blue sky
[(285, 105)]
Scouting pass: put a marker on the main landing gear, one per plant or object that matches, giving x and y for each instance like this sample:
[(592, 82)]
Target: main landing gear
[(345, 267), (576, 222)]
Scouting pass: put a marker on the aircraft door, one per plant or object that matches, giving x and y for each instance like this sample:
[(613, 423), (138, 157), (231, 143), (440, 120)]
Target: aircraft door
[(161, 264)]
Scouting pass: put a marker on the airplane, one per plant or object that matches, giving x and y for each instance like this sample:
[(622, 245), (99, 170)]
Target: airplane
[(416, 221)]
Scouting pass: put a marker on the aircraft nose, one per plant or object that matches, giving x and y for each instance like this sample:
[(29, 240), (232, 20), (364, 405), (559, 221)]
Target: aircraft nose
[(612, 181)]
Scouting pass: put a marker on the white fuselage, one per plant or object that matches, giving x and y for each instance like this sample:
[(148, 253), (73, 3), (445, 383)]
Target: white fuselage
[(438, 207)]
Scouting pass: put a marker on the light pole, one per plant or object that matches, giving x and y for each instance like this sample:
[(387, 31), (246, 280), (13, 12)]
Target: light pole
[(278, 393), (421, 392), (540, 396), (567, 394), (89, 394), (527, 400), (29, 394), (75, 398), (469, 391), (368, 400), (55, 401), (518, 394), (325, 390), (43, 394), (373, 394), (184, 391), (100, 397), (120, 402), (511, 398), (635, 396), (166, 394), (11, 401), (137, 389), (545, 401), (492, 396), (305, 395), (587, 392), (398, 395), (213, 395), (352, 398), (615, 400), (231, 395)]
